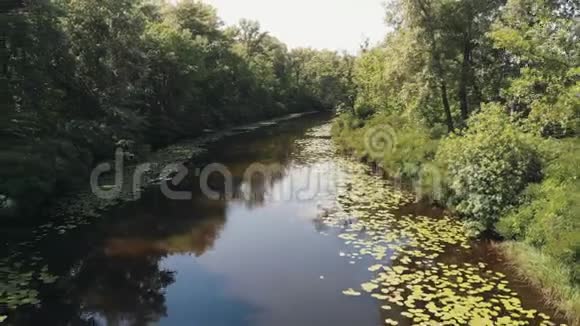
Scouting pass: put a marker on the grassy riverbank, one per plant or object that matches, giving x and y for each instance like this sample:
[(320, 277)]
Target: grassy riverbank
[(547, 274), (533, 203)]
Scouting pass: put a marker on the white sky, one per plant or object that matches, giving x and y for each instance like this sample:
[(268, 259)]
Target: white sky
[(328, 24)]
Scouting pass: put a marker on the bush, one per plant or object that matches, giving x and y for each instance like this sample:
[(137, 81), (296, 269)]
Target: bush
[(364, 111), (489, 166), (30, 174)]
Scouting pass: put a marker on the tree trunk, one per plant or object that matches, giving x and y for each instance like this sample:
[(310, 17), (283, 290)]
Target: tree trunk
[(477, 97), (436, 54), (446, 107), (465, 76)]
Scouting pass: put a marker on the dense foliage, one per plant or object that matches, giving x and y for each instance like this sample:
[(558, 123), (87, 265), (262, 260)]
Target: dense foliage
[(487, 93), (489, 165), (80, 76), (548, 215)]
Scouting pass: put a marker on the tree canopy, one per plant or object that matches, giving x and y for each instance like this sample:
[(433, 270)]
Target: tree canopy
[(79, 76)]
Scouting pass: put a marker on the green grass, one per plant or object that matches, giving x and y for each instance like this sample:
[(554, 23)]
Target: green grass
[(546, 273), (392, 142)]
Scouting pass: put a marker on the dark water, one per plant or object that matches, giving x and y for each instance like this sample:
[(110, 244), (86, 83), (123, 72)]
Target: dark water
[(249, 260)]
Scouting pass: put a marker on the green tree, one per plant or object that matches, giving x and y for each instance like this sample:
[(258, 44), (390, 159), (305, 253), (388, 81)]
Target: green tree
[(540, 41)]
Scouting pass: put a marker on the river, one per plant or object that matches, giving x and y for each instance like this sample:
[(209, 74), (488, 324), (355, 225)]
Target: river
[(320, 241)]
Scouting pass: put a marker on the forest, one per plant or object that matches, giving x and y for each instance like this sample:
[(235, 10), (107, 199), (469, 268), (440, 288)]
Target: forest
[(80, 77), (481, 94)]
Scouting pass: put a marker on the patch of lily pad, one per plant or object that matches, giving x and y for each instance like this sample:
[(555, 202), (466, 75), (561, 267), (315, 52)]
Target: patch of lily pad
[(20, 283), (409, 272)]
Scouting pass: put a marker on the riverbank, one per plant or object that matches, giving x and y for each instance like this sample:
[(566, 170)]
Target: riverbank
[(540, 215), (547, 274)]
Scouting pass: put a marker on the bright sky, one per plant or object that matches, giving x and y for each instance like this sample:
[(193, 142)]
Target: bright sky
[(328, 24)]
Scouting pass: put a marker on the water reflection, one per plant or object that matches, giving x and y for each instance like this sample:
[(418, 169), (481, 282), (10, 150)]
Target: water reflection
[(121, 271), (273, 151), (261, 258), (183, 227), (126, 291), (101, 290), (196, 240), (199, 297)]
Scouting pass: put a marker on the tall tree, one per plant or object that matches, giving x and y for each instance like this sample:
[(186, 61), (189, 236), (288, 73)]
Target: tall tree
[(427, 17)]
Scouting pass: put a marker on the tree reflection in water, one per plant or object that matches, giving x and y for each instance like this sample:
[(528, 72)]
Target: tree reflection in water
[(113, 273), (121, 290)]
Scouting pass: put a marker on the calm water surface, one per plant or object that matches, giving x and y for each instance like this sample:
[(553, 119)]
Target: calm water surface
[(252, 260)]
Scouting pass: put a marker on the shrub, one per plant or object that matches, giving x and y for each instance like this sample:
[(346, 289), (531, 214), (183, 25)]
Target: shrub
[(489, 166), (364, 111)]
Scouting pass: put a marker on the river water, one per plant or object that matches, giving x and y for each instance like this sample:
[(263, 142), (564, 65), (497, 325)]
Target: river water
[(321, 241)]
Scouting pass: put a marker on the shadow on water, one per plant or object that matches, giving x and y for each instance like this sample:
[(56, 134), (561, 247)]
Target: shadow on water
[(120, 271)]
